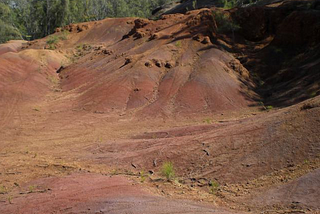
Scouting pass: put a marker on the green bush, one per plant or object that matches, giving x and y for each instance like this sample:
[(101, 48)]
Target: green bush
[(213, 187), (168, 170), (52, 41), (224, 23), (178, 44), (64, 35), (8, 32), (229, 4), (3, 190), (143, 176), (269, 107)]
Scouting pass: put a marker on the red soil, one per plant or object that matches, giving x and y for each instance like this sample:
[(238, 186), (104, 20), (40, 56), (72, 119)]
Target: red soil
[(91, 193), (123, 96), (11, 46)]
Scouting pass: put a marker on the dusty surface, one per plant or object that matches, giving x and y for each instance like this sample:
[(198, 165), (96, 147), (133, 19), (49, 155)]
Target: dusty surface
[(300, 193), (85, 127), (11, 46), (92, 193)]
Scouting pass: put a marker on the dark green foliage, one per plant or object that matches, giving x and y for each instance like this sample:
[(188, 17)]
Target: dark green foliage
[(228, 4), (224, 23), (8, 30), (32, 19)]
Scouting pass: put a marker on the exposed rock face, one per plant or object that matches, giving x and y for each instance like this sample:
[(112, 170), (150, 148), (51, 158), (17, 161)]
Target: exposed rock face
[(289, 34)]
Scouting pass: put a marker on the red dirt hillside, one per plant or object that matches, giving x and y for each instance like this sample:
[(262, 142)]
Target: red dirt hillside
[(90, 114), (155, 67)]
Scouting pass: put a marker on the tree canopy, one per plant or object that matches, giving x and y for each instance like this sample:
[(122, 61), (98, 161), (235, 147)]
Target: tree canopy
[(32, 19)]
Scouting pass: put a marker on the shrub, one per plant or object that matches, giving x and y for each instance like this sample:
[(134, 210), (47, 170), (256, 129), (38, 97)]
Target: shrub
[(114, 172), (64, 35), (32, 188), (224, 22), (207, 120), (143, 176), (213, 187), (168, 170), (3, 190), (52, 41), (269, 107), (229, 4), (178, 44)]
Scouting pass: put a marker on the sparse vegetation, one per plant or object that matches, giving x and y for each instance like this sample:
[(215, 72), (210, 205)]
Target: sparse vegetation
[(36, 109), (64, 35), (263, 107), (269, 107), (80, 47), (167, 170), (114, 172), (229, 4), (143, 176), (52, 41), (213, 187), (9, 199), (3, 190), (178, 44), (32, 188), (54, 80), (207, 120), (224, 23), (313, 94)]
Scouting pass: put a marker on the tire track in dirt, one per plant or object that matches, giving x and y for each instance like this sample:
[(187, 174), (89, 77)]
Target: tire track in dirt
[(12, 106)]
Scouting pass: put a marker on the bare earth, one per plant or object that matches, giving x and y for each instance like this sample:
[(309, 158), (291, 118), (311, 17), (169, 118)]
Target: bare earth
[(86, 127)]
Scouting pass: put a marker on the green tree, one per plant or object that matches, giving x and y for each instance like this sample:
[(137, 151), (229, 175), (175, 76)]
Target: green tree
[(8, 30), (32, 19)]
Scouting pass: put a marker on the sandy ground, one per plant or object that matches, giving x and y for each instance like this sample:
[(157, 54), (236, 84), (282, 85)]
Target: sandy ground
[(86, 127)]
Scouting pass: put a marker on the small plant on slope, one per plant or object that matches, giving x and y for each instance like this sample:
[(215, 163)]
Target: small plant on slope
[(143, 176), (168, 170), (52, 41), (224, 22), (269, 108), (64, 35), (213, 187), (3, 190), (178, 44), (9, 199)]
